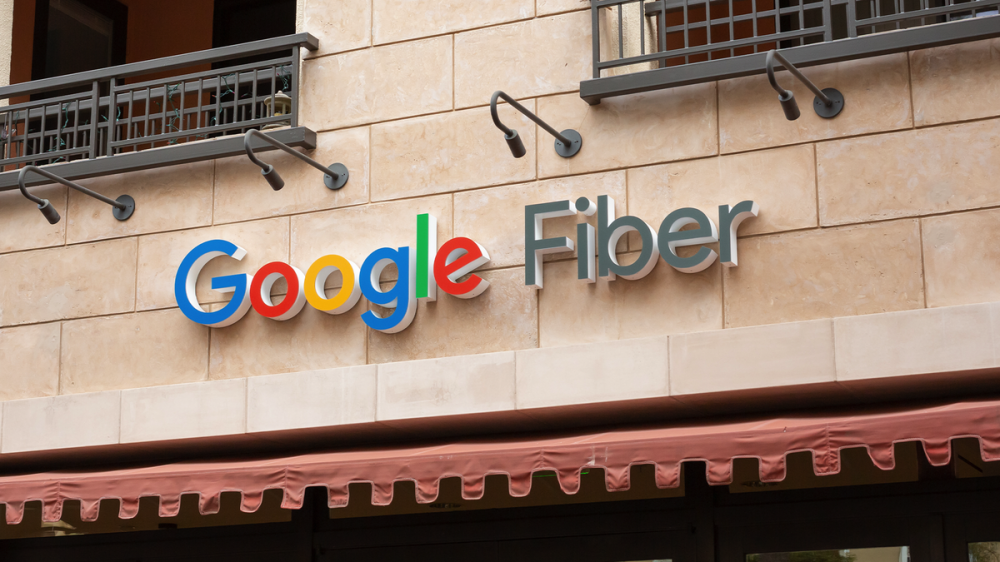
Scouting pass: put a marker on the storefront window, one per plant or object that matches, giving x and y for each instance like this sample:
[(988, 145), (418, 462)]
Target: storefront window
[(984, 552), (885, 554)]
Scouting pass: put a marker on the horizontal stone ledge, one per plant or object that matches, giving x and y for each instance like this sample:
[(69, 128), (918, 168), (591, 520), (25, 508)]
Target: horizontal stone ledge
[(926, 353), (919, 352)]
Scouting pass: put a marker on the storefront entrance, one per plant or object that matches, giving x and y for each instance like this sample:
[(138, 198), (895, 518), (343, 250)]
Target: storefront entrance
[(935, 519)]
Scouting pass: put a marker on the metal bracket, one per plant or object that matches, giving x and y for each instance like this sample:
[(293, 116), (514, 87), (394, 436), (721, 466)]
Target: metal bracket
[(123, 207), (340, 179), (568, 142), (125, 212), (828, 103), (336, 175)]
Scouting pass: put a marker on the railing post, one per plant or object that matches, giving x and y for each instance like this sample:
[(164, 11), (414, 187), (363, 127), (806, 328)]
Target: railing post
[(95, 118), (112, 115), (661, 32), (827, 21), (595, 23), (296, 61), (852, 18)]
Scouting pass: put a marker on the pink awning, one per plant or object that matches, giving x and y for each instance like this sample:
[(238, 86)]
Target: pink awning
[(768, 439)]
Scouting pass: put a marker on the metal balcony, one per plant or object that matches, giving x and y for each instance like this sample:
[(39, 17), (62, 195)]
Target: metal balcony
[(148, 114), (683, 42)]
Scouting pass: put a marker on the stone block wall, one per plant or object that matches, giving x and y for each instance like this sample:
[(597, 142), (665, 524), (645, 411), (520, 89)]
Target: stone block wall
[(892, 206)]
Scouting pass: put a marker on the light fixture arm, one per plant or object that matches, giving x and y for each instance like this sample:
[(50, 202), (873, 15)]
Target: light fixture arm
[(828, 103), (336, 174), (568, 142), (496, 118), (771, 56), (124, 206)]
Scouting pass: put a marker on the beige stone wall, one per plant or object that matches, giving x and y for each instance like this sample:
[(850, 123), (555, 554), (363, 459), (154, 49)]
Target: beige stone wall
[(889, 207), (6, 41)]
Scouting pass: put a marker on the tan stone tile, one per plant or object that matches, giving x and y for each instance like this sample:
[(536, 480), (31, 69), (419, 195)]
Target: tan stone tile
[(312, 340), (470, 384), (796, 353), (909, 173), (876, 93), (340, 25), (663, 126), (664, 302), (241, 193), (30, 359), (70, 282), (322, 398), (61, 422), (527, 59), (937, 340), (184, 411), (379, 84), (961, 258), (503, 318), (358, 231), (399, 21), (955, 82), (22, 226), (546, 7), (495, 217), (605, 372), (161, 254), (781, 181), (449, 152), (172, 198), (825, 273), (131, 351)]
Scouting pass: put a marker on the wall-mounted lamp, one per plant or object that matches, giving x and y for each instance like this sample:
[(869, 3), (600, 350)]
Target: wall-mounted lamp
[(828, 103), (568, 142), (335, 176), (123, 207)]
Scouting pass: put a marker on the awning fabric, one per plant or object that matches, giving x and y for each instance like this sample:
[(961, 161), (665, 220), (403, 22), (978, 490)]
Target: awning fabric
[(768, 440)]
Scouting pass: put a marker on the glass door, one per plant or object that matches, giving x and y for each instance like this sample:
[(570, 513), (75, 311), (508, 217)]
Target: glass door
[(839, 538), (664, 546)]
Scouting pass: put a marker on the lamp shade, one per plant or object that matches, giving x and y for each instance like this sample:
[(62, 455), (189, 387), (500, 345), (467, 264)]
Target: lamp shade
[(789, 105), (515, 144), (49, 211), (273, 179)]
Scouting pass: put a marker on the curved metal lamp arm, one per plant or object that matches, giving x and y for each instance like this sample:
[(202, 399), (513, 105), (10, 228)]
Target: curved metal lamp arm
[(828, 103), (496, 118), (124, 206), (568, 142), (336, 174), (771, 56)]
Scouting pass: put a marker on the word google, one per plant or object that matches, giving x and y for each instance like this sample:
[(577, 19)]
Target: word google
[(425, 267), (421, 270)]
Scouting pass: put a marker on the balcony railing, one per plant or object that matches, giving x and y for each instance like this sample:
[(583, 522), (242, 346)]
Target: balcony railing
[(149, 114), (642, 45)]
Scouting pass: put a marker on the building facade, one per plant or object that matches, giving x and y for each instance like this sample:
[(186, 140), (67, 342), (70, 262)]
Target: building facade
[(698, 331)]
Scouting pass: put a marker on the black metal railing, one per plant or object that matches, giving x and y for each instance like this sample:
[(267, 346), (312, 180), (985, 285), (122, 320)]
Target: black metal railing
[(690, 41), (135, 107)]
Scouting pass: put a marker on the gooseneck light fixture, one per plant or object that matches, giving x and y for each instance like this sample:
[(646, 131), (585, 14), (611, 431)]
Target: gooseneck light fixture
[(828, 103), (122, 208), (568, 142), (335, 176)]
